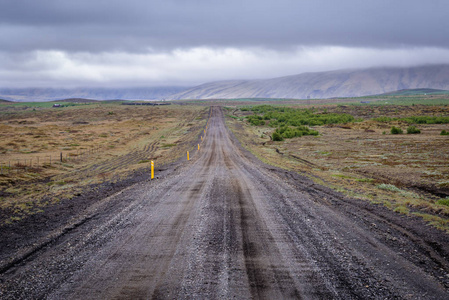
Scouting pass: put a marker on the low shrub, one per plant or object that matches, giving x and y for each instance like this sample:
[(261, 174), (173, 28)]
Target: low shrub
[(293, 122), (444, 132), (291, 132), (395, 130), (444, 201), (413, 130), (277, 136)]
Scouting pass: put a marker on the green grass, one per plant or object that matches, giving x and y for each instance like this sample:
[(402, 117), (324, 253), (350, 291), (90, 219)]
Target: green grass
[(168, 145), (389, 187), (402, 210), (369, 180)]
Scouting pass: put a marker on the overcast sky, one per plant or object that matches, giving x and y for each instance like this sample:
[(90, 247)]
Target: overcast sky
[(109, 43)]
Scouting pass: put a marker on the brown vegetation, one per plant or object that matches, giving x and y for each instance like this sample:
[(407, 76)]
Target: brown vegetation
[(97, 142)]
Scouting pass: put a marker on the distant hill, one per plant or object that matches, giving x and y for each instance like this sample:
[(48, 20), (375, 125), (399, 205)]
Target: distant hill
[(341, 83), (48, 94), (331, 84), (4, 101)]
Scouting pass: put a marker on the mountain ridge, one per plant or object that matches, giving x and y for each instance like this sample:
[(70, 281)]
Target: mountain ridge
[(309, 85), (329, 84)]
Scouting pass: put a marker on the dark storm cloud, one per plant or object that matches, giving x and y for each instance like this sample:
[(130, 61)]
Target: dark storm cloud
[(60, 43), (133, 25)]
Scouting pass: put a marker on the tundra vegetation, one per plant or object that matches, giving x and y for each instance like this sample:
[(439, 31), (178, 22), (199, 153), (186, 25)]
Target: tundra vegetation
[(358, 151), (50, 154), (291, 122)]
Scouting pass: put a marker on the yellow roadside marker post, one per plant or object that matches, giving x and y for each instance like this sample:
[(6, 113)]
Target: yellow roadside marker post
[(152, 169), (188, 155), (198, 147), (201, 138)]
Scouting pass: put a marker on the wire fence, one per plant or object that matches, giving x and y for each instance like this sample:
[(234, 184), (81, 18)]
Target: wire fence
[(41, 161)]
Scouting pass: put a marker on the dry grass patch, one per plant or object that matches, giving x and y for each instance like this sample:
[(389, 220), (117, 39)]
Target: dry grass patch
[(98, 142)]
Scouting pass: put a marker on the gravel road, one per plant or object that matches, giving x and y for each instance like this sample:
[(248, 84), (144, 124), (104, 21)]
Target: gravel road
[(224, 225)]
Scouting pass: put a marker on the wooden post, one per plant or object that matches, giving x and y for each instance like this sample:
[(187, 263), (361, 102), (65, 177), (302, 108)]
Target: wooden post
[(61, 156)]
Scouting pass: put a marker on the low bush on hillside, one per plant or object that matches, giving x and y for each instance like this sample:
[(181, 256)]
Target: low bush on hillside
[(444, 132), (396, 130), (413, 130)]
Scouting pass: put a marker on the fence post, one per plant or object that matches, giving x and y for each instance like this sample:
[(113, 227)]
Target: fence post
[(61, 156)]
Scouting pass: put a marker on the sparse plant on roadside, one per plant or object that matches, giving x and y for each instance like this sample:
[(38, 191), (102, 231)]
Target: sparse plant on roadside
[(444, 132), (396, 130)]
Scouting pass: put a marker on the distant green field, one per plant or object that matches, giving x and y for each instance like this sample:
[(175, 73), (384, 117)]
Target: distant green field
[(41, 104), (413, 100), (412, 92)]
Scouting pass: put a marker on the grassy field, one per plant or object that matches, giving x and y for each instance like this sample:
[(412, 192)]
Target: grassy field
[(98, 142), (408, 173)]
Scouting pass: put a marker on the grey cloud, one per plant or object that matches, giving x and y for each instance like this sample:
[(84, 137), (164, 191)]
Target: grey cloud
[(134, 25)]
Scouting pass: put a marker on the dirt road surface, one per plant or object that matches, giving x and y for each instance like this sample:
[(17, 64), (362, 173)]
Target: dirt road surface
[(224, 225)]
